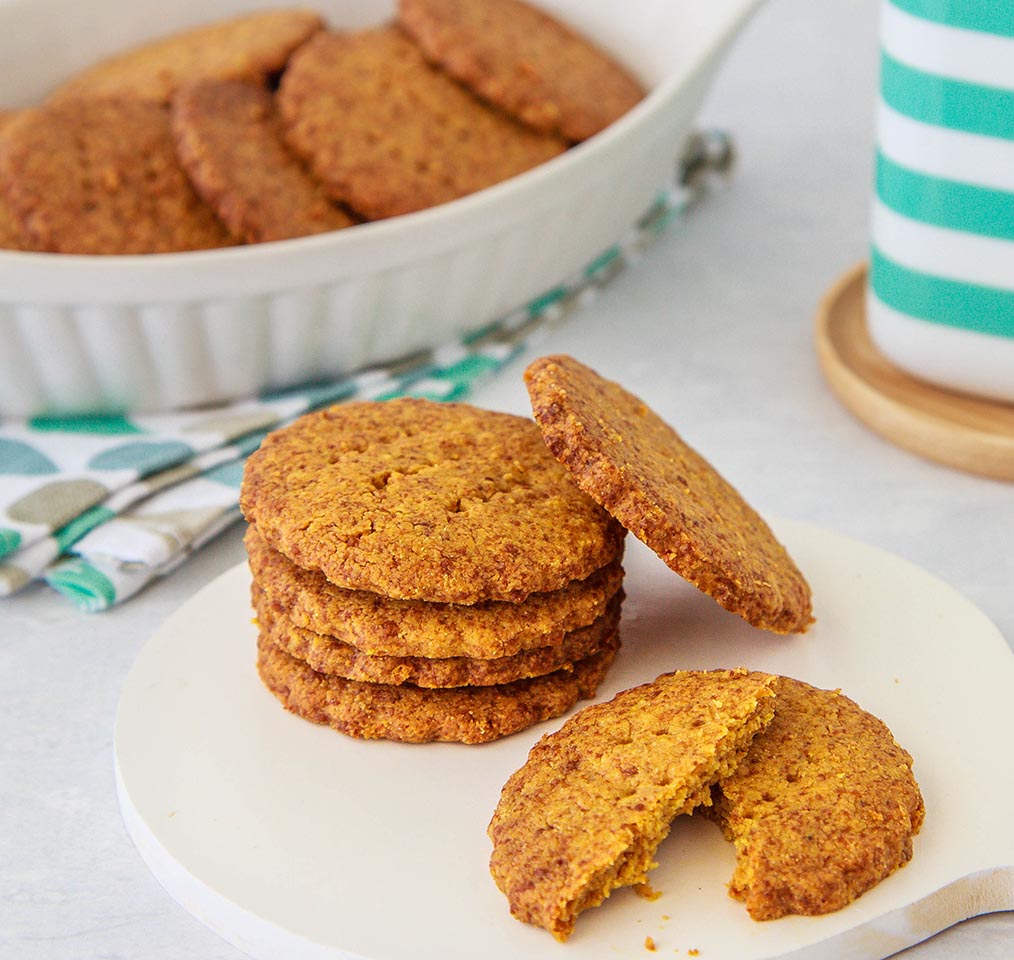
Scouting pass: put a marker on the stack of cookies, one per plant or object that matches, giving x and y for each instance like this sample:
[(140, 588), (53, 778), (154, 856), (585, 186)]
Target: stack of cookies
[(427, 571)]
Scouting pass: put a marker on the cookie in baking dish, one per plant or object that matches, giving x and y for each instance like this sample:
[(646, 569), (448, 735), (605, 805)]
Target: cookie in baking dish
[(229, 142), (12, 237), (632, 462), (388, 134), (379, 626), (586, 812), (415, 499), (249, 47), (524, 61), (101, 177)]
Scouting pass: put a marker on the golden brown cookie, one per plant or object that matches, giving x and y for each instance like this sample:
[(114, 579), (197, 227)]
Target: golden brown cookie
[(374, 711), (415, 499), (823, 806), (632, 462), (249, 47), (12, 236), (524, 61), (387, 133), (378, 626), (101, 177), (593, 801), (229, 142), (330, 656)]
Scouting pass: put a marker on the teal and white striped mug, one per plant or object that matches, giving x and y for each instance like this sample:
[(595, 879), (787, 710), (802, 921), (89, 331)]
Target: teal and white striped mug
[(940, 302)]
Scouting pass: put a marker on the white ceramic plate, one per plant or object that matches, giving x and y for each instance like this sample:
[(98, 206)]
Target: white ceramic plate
[(157, 332), (292, 840)]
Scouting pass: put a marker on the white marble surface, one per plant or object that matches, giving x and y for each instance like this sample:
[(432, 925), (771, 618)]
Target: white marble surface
[(713, 327)]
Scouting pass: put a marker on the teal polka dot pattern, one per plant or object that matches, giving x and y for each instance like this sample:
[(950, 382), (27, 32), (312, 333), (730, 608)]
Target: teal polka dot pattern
[(57, 502), (144, 456), (86, 587), (68, 535), (10, 540), (19, 459), (229, 474), (105, 426)]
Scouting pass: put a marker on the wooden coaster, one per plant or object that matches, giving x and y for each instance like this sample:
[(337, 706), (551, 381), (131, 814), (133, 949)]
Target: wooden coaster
[(970, 433)]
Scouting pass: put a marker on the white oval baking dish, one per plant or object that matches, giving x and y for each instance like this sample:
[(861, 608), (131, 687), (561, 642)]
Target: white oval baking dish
[(164, 331)]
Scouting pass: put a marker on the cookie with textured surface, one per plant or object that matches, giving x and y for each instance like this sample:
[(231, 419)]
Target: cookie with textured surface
[(249, 47), (102, 177), (379, 626), (628, 459), (12, 237), (526, 62), (330, 656), (415, 499), (229, 142), (586, 812), (411, 714), (823, 806), (387, 133)]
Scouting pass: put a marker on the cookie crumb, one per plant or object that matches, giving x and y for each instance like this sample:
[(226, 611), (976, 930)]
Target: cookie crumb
[(646, 891), (649, 944)]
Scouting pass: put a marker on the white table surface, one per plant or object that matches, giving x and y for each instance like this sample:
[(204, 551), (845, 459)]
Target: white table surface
[(713, 328)]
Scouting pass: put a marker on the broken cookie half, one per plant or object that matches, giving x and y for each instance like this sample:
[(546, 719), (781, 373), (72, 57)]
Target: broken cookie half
[(588, 809)]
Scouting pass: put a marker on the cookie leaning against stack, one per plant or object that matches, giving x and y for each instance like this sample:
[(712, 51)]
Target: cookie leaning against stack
[(427, 571)]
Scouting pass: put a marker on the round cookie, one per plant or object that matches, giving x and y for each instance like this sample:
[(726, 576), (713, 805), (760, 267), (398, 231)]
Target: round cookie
[(374, 711), (249, 47), (586, 812), (419, 500), (332, 657), (823, 807), (388, 134), (632, 462), (378, 626), (524, 61), (101, 177), (229, 142)]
